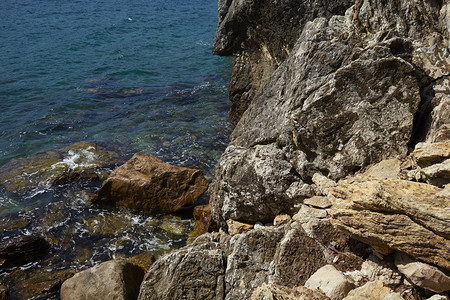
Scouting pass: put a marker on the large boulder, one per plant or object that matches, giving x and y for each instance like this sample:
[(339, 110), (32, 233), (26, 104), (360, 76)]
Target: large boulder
[(395, 214), (193, 272), (147, 184), (347, 96), (115, 279)]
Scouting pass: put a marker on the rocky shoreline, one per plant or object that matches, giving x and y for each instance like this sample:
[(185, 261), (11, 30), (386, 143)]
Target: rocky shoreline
[(336, 180)]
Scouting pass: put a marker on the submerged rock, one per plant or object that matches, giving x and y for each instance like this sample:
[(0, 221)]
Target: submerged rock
[(4, 292), (22, 250), (79, 161), (149, 185), (109, 280)]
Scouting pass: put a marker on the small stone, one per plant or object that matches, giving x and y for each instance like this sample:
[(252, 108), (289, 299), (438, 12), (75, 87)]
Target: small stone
[(421, 274), (437, 297), (144, 261), (281, 219), (331, 282), (307, 213), (203, 222), (235, 227), (323, 183), (318, 201), (373, 290)]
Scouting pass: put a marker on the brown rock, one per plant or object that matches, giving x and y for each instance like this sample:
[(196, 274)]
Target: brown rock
[(22, 250), (318, 201), (275, 291), (373, 290), (148, 184), (395, 214), (203, 221), (115, 279), (144, 261), (431, 153), (389, 168), (4, 293), (235, 227), (281, 219)]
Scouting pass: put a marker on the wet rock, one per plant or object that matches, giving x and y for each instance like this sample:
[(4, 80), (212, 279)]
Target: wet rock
[(395, 214), (4, 293), (79, 161), (37, 284), (22, 250), (12, 222), (274, 291), (330, 281), (373, 290), (147, 184), (144, 261), (235, 227), (203, 222), (109, 280), (318, 201), (194, 272), (173, 229), (260, 35), (421, 274)]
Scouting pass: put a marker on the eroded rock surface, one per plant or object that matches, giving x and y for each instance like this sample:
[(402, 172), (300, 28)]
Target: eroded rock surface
[(395, 214), (147, 184)]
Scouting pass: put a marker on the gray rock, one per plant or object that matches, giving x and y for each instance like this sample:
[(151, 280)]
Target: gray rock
[(275, 291), (389, 168), (331, 282), (438, 174), (421, 274), (317, 201), (115, 279), (194, 272)]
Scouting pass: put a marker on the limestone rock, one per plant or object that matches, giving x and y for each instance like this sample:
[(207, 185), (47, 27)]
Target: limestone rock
[(109, 280), (318, 201), (395, 214), (194, 272), (22, 250), (281, 219), (274, 291), (373, 290), (427, 154), (421, 274), (375, 269), (235, 227), (389, 168), (331, 282), (438, 174), (148, 184), (439, 119)]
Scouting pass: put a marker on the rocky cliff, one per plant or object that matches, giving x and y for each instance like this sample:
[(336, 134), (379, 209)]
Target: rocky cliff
[(339, 164)]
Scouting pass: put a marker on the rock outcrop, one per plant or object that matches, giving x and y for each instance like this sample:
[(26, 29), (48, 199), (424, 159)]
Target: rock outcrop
[(344, 98), (147, 184), (395, 214)]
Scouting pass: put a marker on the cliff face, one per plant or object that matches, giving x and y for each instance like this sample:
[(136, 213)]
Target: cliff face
[(341, 149), (352, 91)]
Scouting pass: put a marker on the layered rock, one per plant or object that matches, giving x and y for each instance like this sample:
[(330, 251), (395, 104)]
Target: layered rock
[(344, 98), (22, 250), (395, 214), (147, 184)]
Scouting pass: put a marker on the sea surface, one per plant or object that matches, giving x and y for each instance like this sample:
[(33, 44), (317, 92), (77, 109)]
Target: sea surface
[(131, 76)]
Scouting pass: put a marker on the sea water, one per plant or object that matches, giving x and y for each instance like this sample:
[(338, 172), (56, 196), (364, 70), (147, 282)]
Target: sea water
[(136, 74)]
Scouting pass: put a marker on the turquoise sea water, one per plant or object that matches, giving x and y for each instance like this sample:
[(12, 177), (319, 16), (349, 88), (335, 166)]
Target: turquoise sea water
[(134, 75)]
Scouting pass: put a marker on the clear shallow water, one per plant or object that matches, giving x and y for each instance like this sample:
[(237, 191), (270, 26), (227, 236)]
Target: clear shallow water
[(137, 75)]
